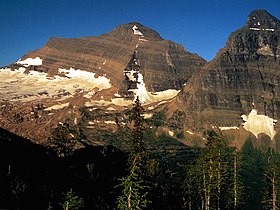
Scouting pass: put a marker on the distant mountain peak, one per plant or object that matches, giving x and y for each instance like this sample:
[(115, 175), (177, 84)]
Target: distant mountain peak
[(259, 36), (135, 28), (262, 20)]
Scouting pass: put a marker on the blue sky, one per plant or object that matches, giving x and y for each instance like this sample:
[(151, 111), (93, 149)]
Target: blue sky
[(201, 26)]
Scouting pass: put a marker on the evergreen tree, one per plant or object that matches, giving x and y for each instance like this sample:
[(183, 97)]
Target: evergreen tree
[(252, 174), (134, 193), (71, 201), (64, 138), (159, 118), (272, 178), (194, 193), (137, 119), (237, 183), (210, 180)]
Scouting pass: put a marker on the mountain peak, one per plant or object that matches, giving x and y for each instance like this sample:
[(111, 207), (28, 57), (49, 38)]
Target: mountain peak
[(260, 35), (262, 20), (137, 29)]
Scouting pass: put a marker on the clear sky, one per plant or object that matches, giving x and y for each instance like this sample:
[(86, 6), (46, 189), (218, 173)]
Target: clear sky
[(201, 26)]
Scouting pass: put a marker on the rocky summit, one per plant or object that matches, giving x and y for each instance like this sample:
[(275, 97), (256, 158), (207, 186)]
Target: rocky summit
[(242, 79), (128, 111), (93, 81), (96, 74)]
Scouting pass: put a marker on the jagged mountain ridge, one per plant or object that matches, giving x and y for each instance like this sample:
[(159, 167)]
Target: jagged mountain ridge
[(243, 76), (55, 82), (133, 60), (111, 52)]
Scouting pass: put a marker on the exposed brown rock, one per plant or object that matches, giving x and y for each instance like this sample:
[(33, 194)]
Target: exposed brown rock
[(245, 74), (163, 64)]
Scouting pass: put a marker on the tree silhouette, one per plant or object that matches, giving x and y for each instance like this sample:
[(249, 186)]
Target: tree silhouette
[(134, 193)]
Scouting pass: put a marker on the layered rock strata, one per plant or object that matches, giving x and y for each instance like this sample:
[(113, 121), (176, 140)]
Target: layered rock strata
[(244, 75)]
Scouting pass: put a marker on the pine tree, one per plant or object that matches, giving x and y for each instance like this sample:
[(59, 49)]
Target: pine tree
[(212, 177), (64, 138), (252, 174), (214, 166), (194, 186), (138, 129), (159, 118), (71, 201), (134, 193), (272, 178), (235, 182)]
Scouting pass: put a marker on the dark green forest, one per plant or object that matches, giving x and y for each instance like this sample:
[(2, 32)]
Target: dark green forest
[(154, 172)]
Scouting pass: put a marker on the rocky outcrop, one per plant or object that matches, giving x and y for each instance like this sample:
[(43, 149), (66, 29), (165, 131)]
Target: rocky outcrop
[(245, 74), (164, 64), (134, 60), (103, 72)]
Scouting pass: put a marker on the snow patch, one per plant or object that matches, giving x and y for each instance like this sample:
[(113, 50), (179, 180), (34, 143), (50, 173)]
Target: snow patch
[(136, 31), (265, 50), (100, 82), (121, 102), (161, 97), (131, 75), (30, 62), (141, 93), (228, 128), (171, 133), (259, 124), (158, 97), (145, 40), (117, 95), (146, 115), (189, 132), (35, 85), (41, 75), (89, 94), (93, 122), (263, 29), (116, 101), (56, 107), (110, 109), (255, 29), (21, 70), (146, 97), (162, 102), (109, 122)]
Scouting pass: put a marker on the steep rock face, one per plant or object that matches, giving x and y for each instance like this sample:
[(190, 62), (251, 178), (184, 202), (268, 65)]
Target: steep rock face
[(100, 74), (243, 75), (166, 65), (173, 61)]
